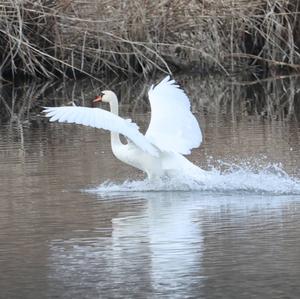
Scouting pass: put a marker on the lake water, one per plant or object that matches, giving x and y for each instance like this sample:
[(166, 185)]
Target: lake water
[(77, 223)]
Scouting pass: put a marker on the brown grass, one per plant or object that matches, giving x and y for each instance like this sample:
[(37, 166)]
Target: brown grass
[(44, 38)]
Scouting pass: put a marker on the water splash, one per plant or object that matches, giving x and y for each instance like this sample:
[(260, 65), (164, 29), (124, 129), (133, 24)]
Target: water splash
[(244, 177)]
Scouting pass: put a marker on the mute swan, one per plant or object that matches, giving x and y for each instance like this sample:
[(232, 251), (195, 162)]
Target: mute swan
[(173, 130)]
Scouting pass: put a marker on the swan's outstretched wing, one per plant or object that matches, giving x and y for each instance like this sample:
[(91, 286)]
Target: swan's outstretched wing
[(102, 119), (172, 126)]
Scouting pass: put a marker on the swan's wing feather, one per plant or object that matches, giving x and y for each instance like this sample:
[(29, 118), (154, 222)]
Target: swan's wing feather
[(172, 126), (101, 119)]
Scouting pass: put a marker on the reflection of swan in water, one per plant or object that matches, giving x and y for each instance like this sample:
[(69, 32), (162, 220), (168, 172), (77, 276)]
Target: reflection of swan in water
[(155, 246), (173, 131), (172, 237)]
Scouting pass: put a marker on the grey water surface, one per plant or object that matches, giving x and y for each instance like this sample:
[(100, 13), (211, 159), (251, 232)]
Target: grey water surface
[(59, 239)]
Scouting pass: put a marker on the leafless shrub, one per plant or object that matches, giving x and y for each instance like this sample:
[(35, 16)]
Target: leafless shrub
[(68, 37)]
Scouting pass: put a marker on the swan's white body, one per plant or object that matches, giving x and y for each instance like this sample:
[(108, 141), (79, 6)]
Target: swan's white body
[(173, 131)]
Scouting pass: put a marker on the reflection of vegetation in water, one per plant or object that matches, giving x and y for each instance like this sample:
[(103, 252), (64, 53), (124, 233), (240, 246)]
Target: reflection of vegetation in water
[(18, 102), (276, 99), (273, 99), (279, 100)]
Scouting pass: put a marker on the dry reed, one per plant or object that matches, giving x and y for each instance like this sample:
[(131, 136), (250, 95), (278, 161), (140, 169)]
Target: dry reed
[(44, 38)]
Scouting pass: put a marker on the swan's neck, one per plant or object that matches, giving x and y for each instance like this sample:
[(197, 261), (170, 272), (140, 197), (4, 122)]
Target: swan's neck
[(115, 137), (114, 106)]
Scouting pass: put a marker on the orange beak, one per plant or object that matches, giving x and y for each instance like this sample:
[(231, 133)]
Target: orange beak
[(98, 99)]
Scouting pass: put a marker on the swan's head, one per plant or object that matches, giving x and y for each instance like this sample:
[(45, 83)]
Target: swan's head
[(106, 96)]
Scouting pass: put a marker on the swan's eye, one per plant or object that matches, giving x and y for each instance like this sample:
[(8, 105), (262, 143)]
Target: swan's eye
[(102, 94)]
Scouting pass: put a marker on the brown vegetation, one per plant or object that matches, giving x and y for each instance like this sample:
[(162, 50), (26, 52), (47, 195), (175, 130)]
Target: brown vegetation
[(45, 38)]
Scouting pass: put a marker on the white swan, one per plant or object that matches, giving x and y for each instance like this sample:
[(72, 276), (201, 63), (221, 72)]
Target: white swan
[(173, 130)]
